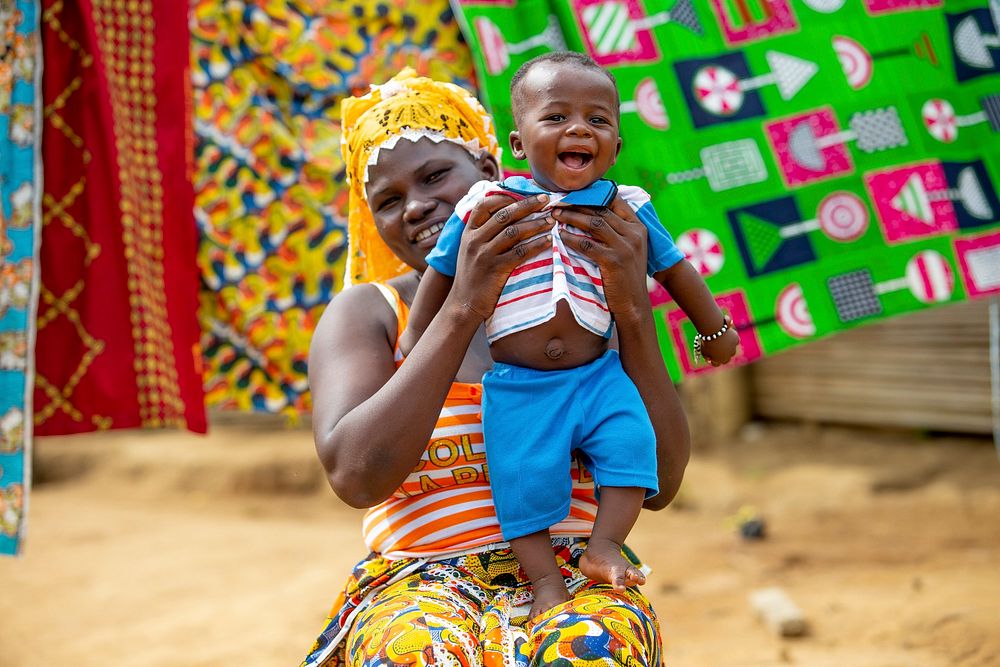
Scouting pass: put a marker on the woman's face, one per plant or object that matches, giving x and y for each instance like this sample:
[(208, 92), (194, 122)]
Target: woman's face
[(414, 188)]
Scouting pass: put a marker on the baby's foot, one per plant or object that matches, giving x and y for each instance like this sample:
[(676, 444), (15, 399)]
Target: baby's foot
[(604, 563), (549, 591)]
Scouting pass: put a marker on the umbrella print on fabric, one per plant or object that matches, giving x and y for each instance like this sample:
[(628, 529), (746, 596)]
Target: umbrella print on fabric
[(974, 41), (728, 165), (648, 104), (971, 193), (825, 6), (859, 65), (904, 210), (808, 160), (943, 123), (856, 295), (722, 89), (872, 131), (931, 198), (743, 21), (617, 31), (811, 147), (497, 51), (973, 46)]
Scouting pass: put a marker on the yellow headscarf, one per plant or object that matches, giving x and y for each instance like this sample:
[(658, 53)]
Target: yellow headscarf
[(406, 107)]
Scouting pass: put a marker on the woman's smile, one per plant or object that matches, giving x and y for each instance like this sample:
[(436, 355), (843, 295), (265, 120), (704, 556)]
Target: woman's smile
[(429, 232)]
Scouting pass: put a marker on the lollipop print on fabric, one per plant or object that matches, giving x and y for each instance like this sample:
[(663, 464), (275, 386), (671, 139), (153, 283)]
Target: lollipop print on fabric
[(928, 277), (722, 89)]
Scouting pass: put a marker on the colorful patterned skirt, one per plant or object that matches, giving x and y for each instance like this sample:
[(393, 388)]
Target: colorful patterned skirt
[(471, 611)]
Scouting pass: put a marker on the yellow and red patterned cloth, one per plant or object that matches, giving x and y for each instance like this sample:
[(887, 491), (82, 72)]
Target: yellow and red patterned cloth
[(471, 610), (272, 201), (118, 333)]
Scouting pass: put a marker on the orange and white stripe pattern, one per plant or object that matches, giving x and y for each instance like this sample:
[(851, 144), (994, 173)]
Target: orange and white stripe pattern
[(444, 506)]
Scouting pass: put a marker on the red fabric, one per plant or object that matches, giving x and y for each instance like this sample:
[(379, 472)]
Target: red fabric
[(118, 334)]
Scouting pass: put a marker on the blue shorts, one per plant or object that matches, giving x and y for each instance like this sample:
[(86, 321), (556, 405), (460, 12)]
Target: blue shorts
[(533, 420)]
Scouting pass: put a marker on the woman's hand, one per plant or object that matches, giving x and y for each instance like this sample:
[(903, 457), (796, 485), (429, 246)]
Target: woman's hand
[(496, 239), (617, 244)]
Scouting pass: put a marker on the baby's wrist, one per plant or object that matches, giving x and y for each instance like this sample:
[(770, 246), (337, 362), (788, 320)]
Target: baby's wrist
[(701, 339)]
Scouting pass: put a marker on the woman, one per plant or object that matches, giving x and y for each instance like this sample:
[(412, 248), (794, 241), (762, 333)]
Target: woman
[(404, 439)]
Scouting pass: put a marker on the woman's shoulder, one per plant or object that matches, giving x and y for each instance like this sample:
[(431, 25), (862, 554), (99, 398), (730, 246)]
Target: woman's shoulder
[(360, 310)]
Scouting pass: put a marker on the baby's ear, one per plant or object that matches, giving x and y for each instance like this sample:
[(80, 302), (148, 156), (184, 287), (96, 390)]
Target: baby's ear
[(516, 147), (489, 167)]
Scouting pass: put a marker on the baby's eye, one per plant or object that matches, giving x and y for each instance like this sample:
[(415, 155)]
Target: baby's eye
[(599, 120), (555, 117)]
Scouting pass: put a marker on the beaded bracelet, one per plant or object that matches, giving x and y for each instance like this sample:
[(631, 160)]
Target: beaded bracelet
[(699, 339)]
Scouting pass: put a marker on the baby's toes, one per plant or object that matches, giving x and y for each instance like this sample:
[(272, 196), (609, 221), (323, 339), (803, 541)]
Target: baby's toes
[(619, 576), (634, 576)]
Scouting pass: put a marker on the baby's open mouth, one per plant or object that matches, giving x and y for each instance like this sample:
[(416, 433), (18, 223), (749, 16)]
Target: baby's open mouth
[(575, 160)]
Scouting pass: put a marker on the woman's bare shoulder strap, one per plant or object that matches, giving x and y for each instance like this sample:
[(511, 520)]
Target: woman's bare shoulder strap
[(391, 296), (401, 310)]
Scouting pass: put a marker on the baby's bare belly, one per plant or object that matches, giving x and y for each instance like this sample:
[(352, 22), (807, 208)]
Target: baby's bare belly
[(558, 343)]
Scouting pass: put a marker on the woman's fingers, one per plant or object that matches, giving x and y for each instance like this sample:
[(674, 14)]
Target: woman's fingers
[(593, 221), (587, 246), (518, 232), (496, 211), (606, 224), (528, 248), (491, 251), (515, 244), (506, 229), (621, 208)]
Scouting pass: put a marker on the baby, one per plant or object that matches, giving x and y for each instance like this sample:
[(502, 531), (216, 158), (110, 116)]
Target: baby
[(556, 387)]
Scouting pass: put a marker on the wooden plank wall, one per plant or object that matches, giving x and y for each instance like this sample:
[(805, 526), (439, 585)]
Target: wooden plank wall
[(927, 370)]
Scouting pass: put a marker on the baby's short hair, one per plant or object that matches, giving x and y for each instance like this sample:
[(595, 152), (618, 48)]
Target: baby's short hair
[(571, 58)]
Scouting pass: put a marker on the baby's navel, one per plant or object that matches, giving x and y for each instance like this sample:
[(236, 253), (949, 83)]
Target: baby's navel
[(554, 349)]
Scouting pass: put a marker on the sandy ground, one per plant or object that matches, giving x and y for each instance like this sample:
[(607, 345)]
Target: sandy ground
[(167, 549)]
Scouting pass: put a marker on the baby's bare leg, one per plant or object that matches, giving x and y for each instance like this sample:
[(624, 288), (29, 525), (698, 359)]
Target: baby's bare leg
[(603, 560), (534, 553)]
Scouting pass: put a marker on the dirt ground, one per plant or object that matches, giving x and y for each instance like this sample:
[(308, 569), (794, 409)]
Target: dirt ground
[(166, 549)]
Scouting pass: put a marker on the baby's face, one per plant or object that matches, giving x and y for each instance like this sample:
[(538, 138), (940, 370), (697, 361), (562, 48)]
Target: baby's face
[(567, 125)]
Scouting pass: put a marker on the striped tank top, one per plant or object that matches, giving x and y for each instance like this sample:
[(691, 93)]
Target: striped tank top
[(444, 506)]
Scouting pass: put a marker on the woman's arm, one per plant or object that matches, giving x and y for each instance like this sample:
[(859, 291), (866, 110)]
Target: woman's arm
[(618, 239), (372, 422)]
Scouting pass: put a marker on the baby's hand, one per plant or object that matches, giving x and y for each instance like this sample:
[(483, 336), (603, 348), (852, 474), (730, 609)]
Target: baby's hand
[(719, 351)]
